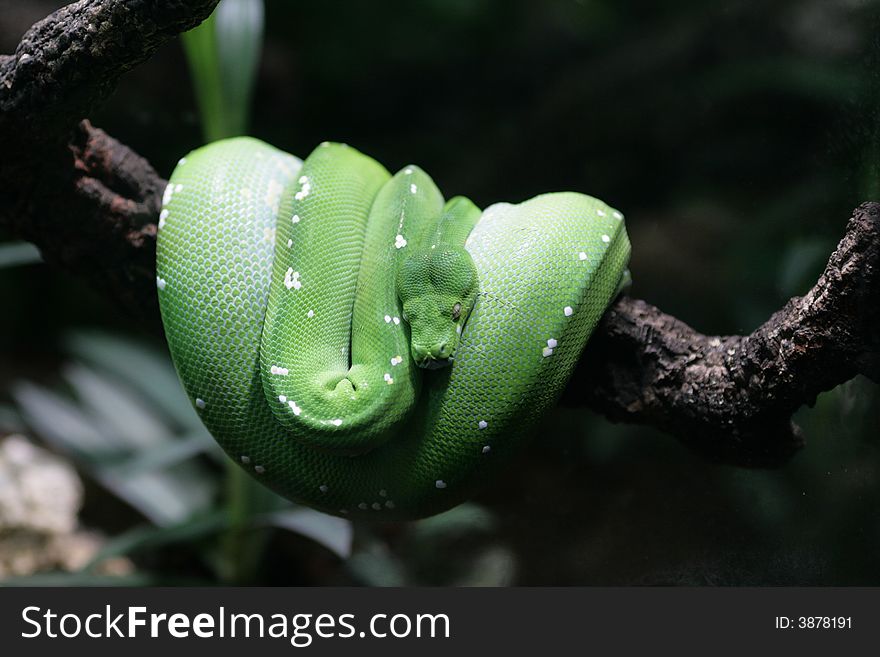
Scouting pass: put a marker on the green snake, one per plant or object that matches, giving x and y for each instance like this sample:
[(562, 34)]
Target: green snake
[(357, 343)]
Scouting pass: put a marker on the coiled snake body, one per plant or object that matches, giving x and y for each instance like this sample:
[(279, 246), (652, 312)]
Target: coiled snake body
[(309, 307)]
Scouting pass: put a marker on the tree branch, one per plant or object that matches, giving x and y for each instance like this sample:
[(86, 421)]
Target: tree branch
[(731, 398), (83, 198), (90, 204)]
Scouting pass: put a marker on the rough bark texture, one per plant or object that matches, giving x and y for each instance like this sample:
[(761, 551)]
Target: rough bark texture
[(87, 201), (90, 204), (731, 398)]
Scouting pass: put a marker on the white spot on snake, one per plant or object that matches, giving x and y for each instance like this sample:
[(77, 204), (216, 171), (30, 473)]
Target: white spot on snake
[(325, 144), (181, 161), (397, 360), (296, 409), (362, 506), (387, 319), (388, 378), (399, 241), (482, 424), (160, 283), (245, 459), (440, 484), (458, 328), (552, 343), (162, 217), (282, 399), (269, 235), (547, 352), (389, 504), (291, 279), (377, 506), (336, 422), (310, 314), (408, 171), (606, 239), (582, 255), (568, 310), (323, 488), (169, 192), (413, 188), (383, 493), (617, 215), (289, 243), (304, 190), (487, 449), (178, 188), (200, 403), (294, 219), (283, 371), (396, 320), (259, 469), (601, 213)]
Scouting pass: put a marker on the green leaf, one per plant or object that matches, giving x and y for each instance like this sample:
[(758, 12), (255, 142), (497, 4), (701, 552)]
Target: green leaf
[(375, 565), (239, 28), (123, 445), (15, 254), (61, 423), (170, 454), (165, 497), (200, 45), (147, 370), (333, 533), (116, 409), (463, 520), (150, 538), (223, 54), (493, 566)]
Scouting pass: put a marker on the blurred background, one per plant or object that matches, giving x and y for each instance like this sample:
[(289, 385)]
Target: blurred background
[(736, 136)]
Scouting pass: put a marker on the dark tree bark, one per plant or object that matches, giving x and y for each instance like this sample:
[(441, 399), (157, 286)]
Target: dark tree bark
[(731, 398), (90, 204)]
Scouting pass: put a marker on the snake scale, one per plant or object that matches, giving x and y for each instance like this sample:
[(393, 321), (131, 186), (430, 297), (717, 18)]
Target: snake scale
[(359, 344)]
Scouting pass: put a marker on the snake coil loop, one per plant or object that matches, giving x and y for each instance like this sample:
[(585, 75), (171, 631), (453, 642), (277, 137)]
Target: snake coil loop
[(358, 344)]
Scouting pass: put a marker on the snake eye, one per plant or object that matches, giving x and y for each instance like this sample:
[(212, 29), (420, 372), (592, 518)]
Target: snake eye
[(456, 311)]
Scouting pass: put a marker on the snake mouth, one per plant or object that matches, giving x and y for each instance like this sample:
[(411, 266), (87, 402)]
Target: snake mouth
[(429, 363), (432, 358)]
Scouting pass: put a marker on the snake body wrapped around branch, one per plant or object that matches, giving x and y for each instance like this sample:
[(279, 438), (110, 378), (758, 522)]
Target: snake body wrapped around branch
[(357, 343)]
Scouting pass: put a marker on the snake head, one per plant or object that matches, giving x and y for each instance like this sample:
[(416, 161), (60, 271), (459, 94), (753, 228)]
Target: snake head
[(438, 289)]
